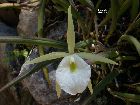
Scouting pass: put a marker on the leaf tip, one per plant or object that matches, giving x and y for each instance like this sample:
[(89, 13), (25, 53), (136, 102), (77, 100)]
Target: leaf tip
[(58, 90), (90, 87)]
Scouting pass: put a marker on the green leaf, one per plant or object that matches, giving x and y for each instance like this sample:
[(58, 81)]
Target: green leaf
[(70, 32), (41, 15), (132, 40), (33, 41), (60, 8), (134, 9), (95, 58), (25, 74), (84, 43), (114, 15), (126, 96), (46, 57), (89, 3), (137, 23), (121, 1), (109, 53), (98, 5), (133, 25), (125, 5), (114, 9), (101, 85), (61, 5), (127, 58)]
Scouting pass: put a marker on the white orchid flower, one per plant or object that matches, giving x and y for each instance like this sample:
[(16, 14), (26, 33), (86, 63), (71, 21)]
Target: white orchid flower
[(73, 74)]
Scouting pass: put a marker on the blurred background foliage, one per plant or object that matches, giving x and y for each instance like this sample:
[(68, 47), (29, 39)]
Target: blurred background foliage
[(108, 28)]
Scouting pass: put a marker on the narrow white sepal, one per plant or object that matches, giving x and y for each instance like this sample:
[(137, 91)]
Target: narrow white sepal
[(90, 87), (58, 90)]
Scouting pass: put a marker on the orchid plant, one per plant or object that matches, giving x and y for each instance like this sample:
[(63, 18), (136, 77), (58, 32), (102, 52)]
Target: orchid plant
[(74, 70), (73, 73)]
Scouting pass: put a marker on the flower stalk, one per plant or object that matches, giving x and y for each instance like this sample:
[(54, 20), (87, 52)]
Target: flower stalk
[(40, 35)]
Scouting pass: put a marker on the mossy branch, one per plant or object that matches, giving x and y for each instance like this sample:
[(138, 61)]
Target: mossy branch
[(18, 5)]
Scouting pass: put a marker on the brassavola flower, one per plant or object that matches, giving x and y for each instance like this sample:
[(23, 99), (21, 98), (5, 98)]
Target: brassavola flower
[(73, 74)]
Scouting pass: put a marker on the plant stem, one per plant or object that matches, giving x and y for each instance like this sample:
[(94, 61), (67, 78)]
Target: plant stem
[(133, 24), (96, 27), (40, 34)]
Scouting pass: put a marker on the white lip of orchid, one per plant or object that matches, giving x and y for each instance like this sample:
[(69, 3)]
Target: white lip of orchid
[(70, 81)]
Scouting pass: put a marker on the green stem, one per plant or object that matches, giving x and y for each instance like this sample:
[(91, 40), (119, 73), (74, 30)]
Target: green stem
[(96, 27), (40, 34)]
